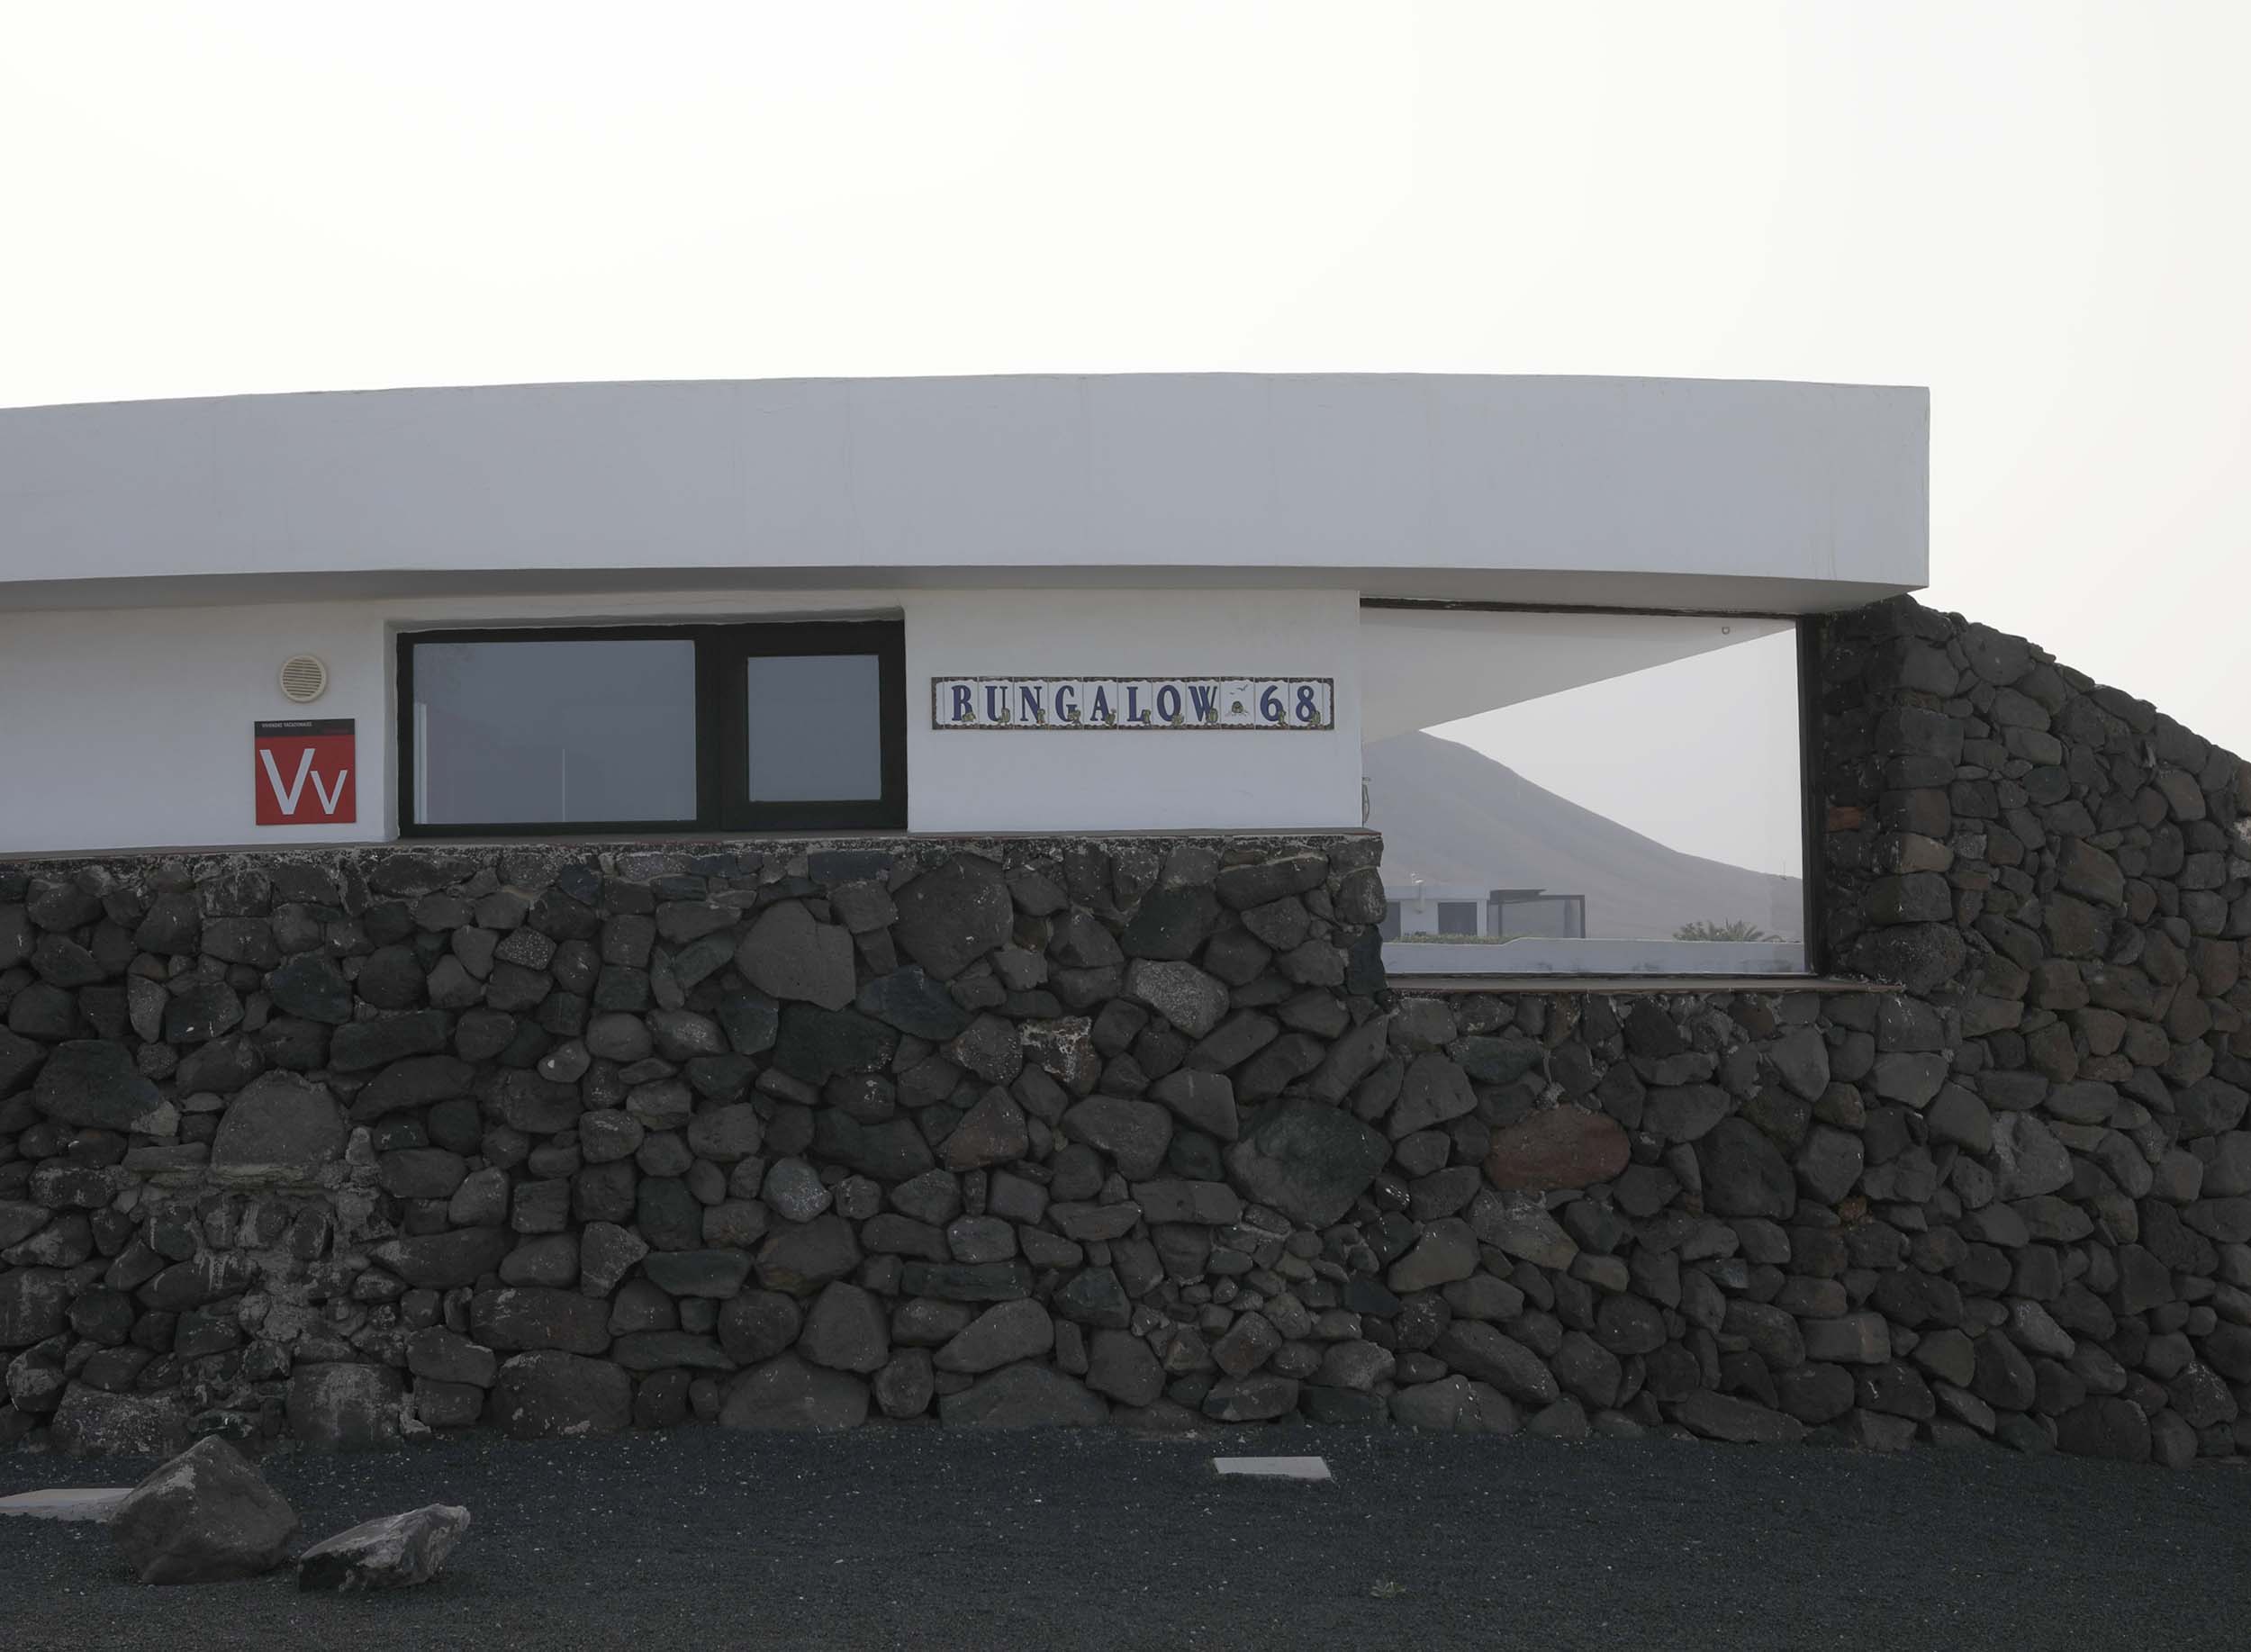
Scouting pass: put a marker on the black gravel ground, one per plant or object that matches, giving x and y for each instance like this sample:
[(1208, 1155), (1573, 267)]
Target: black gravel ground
[(916, 1538)]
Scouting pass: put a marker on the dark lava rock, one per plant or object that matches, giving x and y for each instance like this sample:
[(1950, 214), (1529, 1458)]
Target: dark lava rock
[(1482, 1351), (1718, 1416), (786, 1392), (1560, 1147), (789, 955), (91, 1082), (313, 988), (393, 1551), (2108, 1427), (1307, 1160), (444, 1261), (911, 1001), (1000, 1335), (205, 1517), (344, 1407), (951, 916), (1744, 1173), (280, 1130), (418, 1081), (1026, 1395), (847, 1331), (816, 1044), (364, 1044), (798, 1259), (548, 1394), (1134, 1133), (528, 1318)]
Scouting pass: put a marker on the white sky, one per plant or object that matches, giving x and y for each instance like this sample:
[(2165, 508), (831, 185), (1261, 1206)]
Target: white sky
[(1700, 754), (2038, 210)]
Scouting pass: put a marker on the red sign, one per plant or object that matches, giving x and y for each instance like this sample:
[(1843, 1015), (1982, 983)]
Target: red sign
[(303, 773)]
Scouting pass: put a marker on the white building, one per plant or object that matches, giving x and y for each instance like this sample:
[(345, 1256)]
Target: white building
[(711, 608)]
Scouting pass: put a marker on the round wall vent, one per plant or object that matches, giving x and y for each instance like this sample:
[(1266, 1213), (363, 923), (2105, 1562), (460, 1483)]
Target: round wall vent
[(304, 678)]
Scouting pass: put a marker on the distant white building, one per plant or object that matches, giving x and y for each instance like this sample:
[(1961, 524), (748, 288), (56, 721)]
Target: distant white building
[(1413, 908)]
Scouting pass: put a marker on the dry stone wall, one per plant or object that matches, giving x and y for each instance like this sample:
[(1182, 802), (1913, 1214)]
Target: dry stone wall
[(347, 1145)]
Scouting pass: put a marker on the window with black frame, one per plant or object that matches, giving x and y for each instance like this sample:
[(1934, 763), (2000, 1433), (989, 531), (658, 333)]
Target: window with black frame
[(797, 726)]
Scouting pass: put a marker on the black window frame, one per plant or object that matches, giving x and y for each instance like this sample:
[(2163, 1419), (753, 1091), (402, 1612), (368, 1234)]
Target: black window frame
[(722, 651)]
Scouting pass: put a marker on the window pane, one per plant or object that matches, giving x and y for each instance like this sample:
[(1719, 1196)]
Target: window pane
[(816, 729), (554, 732), (1586, 793)]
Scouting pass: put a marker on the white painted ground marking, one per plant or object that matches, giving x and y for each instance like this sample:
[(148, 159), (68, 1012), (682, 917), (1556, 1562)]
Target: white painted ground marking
[(67, 1502), (1273, 1467)]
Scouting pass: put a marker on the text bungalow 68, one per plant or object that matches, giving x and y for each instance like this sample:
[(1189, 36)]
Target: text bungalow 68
[(1149, 703)]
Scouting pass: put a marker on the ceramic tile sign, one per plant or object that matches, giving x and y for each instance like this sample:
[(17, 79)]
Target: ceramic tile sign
[(1151, 704), (303, 772)]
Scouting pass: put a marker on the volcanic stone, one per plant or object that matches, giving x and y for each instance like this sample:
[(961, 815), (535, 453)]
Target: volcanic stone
[(1484, 1352), (2106, 1427), (1454, 1405), (789, 955), (1307, 1160), (1121, 1365), (910, 1000), (1719, 1416), (312, 988), (817, 1044), (281, 1130), (713, 1274), (800, 1259), (530, 1318), (1447, 1251), (205, 1517), (1191, 1001), (393, 1552), (1205, 1099), (786, 1392), (1559, 1147), (1134, 1133), (1744, 1175), (548, 1394), (1266, 881), (93, 1083), (757, 1325), (993, 1132), (725, 1135), (344, 1407), (845, 1330), (1027, 1395), (1000, 1335), (363, 1045)]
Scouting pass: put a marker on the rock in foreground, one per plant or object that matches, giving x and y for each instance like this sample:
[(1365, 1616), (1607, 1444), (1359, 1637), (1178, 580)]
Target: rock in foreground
[(393, 1552), (205, 1517)]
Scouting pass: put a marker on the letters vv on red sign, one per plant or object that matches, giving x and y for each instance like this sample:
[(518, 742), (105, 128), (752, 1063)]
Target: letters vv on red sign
[(304, 772)]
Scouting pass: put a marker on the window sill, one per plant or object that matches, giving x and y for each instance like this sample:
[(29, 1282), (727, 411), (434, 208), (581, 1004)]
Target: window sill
[(1451, 985)]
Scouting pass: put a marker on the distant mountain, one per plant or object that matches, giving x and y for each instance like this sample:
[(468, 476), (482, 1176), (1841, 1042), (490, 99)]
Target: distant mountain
[(1451, 815)]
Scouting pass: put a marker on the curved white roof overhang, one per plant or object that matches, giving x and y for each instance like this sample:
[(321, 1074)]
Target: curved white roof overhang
[(1707, 495)]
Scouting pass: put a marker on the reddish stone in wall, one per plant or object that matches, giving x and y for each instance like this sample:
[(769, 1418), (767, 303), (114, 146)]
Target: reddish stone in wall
[(1563, 1147)]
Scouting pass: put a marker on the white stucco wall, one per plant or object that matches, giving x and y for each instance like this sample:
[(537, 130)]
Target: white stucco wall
[(1054, 779), (1423, 666), (1704, 494), (131, 728)]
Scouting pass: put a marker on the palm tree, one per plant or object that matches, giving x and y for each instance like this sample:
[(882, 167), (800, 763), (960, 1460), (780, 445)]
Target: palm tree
[(1734, 930)]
